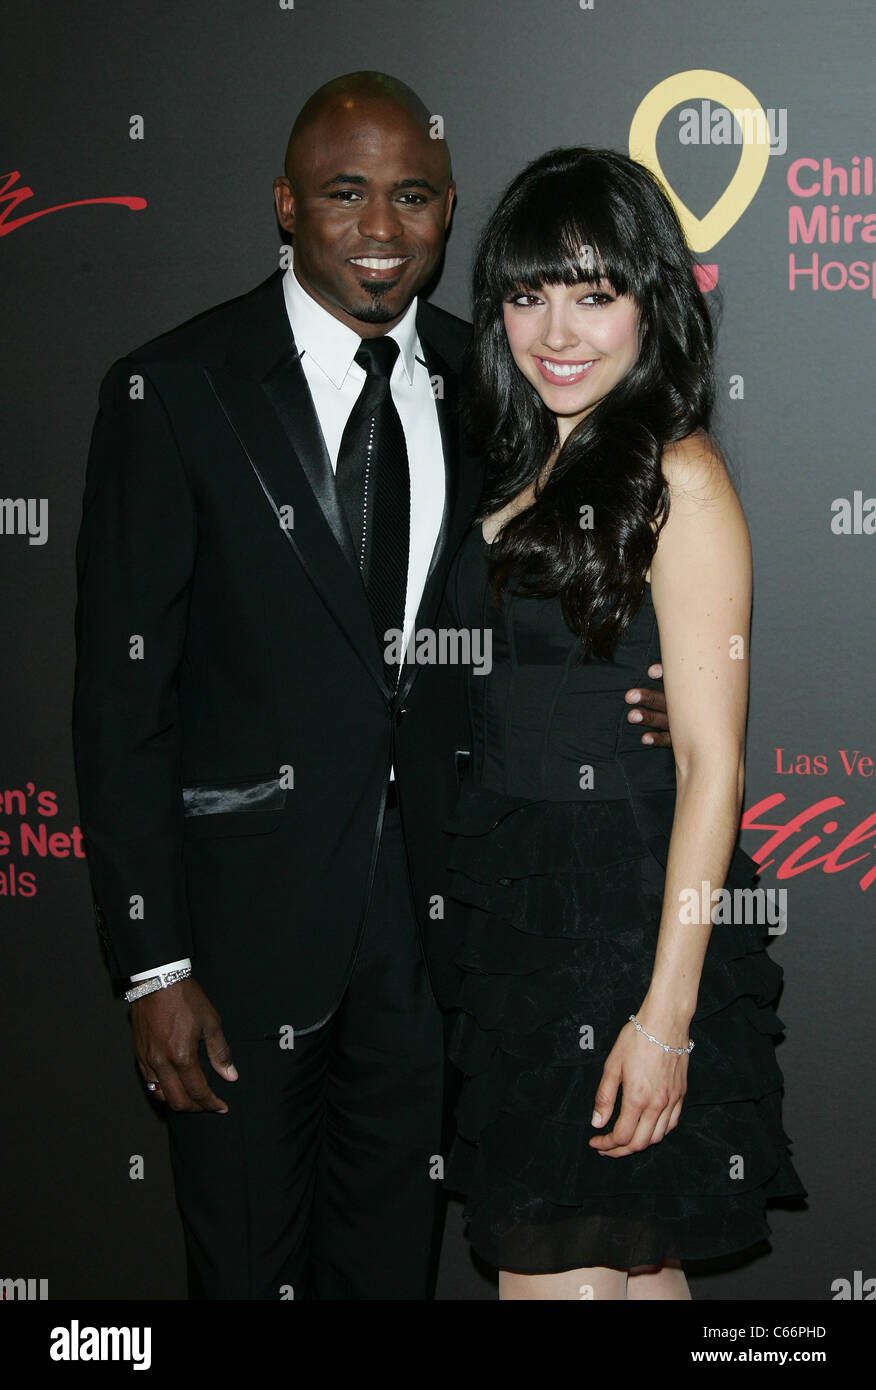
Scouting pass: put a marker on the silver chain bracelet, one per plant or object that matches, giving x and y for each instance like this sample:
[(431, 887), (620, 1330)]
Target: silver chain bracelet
[(679, 1051)]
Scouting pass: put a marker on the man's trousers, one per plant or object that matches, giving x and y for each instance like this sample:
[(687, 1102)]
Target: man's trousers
[(322, 1180)]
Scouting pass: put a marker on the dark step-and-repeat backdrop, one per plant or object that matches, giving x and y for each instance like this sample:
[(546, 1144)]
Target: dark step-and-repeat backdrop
[(139, 145)]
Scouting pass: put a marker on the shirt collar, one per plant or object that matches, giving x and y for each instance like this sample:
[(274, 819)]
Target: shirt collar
[(330, 343)]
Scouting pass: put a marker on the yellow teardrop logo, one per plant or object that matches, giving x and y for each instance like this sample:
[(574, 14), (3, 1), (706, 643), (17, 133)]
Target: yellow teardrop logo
[(697, 84)]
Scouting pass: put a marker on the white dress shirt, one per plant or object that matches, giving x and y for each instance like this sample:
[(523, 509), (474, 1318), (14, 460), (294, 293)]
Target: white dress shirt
[(327, 348)]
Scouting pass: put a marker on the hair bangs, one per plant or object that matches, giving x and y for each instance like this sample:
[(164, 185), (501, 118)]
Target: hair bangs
[(559, 235)]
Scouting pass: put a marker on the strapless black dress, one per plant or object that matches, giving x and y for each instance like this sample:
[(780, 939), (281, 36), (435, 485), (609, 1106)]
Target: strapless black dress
[(559, 872)]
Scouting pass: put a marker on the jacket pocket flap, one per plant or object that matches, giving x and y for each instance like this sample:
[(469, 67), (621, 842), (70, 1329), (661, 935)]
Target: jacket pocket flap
[(242, 806)]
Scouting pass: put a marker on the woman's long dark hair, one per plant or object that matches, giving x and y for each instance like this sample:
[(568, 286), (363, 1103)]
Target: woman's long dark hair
[(564, 201)]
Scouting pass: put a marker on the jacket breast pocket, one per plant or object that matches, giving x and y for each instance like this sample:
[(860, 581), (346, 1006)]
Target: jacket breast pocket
[(237, 806)]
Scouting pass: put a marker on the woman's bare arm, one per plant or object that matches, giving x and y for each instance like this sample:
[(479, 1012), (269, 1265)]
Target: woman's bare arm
[(701, 588)]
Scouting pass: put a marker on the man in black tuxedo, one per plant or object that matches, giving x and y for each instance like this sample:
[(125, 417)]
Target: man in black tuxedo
[(271, 488)]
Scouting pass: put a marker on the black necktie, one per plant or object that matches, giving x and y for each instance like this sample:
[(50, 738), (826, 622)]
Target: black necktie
[(374, 488)]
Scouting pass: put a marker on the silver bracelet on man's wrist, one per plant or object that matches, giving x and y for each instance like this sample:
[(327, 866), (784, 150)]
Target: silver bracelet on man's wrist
[(158, 981)]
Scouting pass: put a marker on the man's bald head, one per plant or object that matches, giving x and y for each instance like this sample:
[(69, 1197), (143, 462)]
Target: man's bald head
[(359, 91)]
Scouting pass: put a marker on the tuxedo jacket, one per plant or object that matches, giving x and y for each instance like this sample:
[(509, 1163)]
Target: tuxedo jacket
[(233, 726)]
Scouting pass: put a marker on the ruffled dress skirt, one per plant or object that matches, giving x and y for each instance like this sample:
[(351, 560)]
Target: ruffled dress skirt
[(562, 905)]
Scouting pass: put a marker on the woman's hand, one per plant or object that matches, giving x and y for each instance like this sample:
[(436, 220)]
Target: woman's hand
[(653, 1084)]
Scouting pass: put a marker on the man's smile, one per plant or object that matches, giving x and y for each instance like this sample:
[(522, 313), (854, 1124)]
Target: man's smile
[(379, 267)]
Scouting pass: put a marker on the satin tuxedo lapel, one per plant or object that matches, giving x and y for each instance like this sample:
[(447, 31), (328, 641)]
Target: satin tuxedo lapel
[(263, 393), (447, 405)]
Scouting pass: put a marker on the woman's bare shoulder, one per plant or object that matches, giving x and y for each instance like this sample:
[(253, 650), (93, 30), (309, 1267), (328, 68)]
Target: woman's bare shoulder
[(694, 468)]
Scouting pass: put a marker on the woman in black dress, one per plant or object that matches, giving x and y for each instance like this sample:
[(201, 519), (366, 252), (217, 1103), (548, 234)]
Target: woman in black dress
[(597, 1153)]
